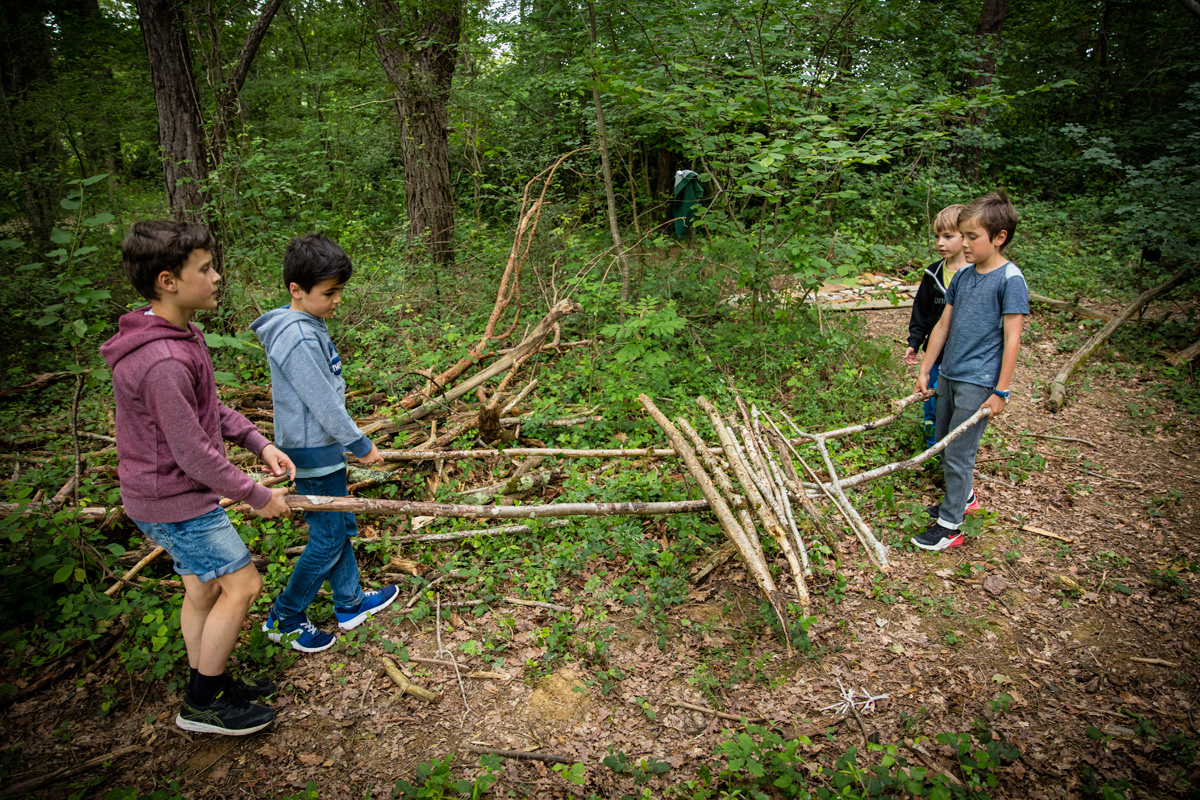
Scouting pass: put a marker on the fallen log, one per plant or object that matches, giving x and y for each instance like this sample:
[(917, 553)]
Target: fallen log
[(28, 786), (45, 379), (407, 686), (1058, 386), (1185, 355), (1071, 308)]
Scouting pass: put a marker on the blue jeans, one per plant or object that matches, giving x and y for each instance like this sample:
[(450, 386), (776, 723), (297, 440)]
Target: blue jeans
[(329, 554), (930, 409), (207, 546)]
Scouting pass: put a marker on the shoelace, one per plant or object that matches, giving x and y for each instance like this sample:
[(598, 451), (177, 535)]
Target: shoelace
[(308, 627), (234, 694)]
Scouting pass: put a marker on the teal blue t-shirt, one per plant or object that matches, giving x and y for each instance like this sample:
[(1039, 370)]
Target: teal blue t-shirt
[(975, 346)]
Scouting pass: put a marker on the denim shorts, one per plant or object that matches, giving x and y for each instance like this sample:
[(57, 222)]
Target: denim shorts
[(207, 546)]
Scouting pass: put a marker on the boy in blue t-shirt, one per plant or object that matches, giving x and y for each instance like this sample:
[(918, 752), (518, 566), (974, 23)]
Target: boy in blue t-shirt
[(980, 333), (927, 310), (313, 428)]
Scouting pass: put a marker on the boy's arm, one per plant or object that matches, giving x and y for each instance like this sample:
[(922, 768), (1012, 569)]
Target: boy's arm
[(919, 323), (244, 433), (170, 396), (304, 367), (241, 431), (937, 340), (1008, 363)]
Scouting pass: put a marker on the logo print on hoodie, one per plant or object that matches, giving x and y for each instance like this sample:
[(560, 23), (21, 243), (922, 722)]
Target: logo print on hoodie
[(335, 361)]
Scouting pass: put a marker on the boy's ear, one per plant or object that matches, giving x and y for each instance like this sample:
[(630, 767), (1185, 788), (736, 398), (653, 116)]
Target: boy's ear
[(295, 291), (1001, 238), (165, 282)]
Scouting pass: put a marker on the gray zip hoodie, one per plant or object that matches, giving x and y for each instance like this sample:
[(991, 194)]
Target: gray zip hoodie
[(307, 389)]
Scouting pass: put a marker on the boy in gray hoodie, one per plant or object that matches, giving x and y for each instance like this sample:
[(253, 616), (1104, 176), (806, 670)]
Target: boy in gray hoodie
[(314, 429)]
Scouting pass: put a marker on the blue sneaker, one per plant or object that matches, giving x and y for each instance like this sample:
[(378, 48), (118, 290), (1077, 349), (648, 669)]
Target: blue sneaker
[(301, 634), (372, 603)]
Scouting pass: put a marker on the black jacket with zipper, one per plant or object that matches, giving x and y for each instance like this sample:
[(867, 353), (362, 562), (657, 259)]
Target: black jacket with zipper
[(927, 308)]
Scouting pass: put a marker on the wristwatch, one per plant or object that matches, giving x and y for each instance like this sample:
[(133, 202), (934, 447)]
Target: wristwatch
[(1003, 394)]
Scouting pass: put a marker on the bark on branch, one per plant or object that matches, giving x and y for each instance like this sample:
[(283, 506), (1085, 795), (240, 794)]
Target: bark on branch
[(1058, 386)]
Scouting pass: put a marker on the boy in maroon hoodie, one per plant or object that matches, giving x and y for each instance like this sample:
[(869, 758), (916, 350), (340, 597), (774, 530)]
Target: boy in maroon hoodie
[(171, 432)]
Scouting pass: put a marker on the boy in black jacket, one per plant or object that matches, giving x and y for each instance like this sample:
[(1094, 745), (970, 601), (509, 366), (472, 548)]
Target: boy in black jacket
[(929, 304), (931, 300)]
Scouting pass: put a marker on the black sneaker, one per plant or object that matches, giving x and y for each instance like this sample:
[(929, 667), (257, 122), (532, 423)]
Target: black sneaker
[(935, 510), (936, 537), (253, 688), (228, 714)]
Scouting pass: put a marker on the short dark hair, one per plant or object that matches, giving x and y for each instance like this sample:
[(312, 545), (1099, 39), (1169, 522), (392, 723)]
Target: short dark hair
[(995, 212), (157, 245), (313, 258)]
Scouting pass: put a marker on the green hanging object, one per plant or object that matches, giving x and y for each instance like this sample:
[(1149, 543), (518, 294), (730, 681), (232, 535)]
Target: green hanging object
[(688, 194)]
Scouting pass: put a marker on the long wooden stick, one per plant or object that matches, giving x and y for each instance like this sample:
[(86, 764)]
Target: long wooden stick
[(1058, 386), (518, 754), (897, 405), (712, 711), (785, 503), (774, 505), (27, 786), (754, 561), (723, 483), (527, 346), (875, 549), (529, 452), (797, 493), (754, 497), (915, 461)]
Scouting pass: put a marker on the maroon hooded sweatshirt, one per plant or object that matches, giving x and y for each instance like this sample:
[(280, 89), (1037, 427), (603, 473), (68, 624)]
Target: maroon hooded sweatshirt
[(171, 424)]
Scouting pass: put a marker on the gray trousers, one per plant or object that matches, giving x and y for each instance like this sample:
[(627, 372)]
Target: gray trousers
[(956, 402)]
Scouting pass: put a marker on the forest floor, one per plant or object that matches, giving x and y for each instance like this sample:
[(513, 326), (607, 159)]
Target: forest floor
[(1055, 625)]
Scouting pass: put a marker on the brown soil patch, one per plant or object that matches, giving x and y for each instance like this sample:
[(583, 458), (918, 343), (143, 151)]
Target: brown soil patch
[(561, 697)]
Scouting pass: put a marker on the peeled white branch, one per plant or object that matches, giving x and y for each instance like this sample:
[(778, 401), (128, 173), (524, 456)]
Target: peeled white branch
[(754, 561)]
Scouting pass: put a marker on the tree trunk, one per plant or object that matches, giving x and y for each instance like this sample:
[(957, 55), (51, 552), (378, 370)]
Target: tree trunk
[(26, 60), (991, 23), (180, 126), (417, 44), (227, 102), (602, 135)]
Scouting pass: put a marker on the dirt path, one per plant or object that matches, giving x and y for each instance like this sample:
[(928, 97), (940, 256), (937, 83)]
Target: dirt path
[(1052, 625)]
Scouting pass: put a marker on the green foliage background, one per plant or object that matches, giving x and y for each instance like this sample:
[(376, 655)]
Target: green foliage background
[(827, 135)]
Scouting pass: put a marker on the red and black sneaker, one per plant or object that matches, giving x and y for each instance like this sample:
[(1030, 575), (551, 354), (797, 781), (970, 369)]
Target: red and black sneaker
[(972, 505), (936, 537)]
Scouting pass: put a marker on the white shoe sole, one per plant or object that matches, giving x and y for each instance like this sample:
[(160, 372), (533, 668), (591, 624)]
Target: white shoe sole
[(944, 544), (203, 727), (277, 637)]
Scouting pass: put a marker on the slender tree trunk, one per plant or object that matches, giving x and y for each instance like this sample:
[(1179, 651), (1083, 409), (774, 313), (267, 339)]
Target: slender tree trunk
[(417, 44), (27, 59), (605, 165), (664, 180), (991, 23), (180, 125), (987, 35), (227, 101)]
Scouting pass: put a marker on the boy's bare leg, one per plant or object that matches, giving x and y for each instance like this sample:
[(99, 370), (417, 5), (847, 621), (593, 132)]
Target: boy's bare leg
[(220, 627), (198, 600)]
